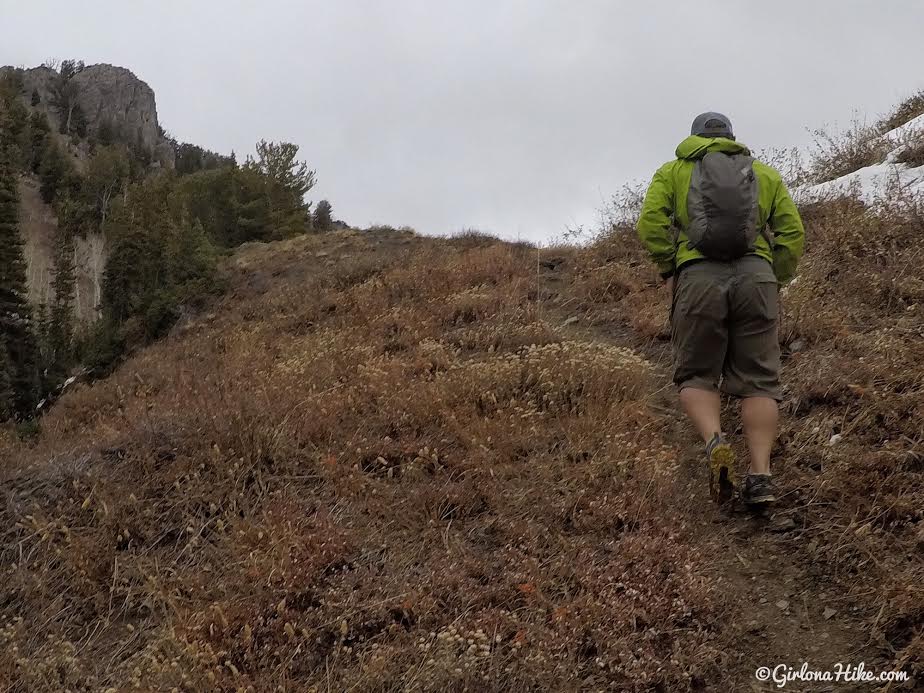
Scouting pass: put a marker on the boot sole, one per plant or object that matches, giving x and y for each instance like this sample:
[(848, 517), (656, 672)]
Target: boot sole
[(722, 473), (760, 500)]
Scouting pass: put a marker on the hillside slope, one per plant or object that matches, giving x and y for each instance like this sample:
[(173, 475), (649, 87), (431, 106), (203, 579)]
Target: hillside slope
[(382, 462), (378, 461)]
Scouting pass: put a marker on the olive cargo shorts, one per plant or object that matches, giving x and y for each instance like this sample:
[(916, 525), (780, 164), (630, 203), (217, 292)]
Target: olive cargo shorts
[(724, 324)]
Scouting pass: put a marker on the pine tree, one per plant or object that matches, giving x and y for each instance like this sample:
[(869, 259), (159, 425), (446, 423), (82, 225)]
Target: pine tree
[(15, 317), (286, 180), (7, 396), (61, 315), (47, 377), (55, 170), (39, 129), (14, 131), (322, 216), (42, 331), (65, 99)]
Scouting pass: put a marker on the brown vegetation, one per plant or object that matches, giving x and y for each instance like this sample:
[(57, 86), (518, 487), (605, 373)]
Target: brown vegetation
[(913, 153), (838, 153), (371, 466), (381, 463), (908, 109), (852, 448)]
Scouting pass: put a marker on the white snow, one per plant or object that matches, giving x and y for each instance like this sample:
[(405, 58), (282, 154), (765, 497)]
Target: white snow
[(880, 182), (912, 128)]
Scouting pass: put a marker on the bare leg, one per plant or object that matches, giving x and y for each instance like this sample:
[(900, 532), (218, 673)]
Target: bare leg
[(704, 409), (760, 416)]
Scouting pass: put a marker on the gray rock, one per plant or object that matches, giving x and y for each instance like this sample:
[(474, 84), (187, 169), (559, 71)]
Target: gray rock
[(783, 524), (570, 321), (114, 95), (40, 80), (107, 95)]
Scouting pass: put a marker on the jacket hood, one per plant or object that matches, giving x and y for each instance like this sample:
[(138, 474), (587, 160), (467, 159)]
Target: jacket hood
[(696, 147)]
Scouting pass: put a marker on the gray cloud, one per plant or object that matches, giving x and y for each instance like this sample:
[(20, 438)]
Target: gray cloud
[(513, 116)]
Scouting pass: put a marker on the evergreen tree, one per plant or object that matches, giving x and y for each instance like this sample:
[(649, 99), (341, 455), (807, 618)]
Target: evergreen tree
[(56, 171), (15, 318), (107, 173), (14, 131), (38, 130), (286, 182), (61, 317), (323, 221), (42, 330), (65, 99), (252, 207), (7, 395), (130, 277)]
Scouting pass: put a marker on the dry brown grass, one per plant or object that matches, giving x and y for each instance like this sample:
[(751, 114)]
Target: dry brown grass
[(374, 466), (859, 304), (371, 467), (913, 153), (838, 153), (907, 110), (853, 333)]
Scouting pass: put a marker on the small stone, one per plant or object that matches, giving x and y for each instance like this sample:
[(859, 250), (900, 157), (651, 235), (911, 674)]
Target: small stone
[(828, 613), (797, 346), (783, 604), (570, 321), (783, 524), (835, 439)]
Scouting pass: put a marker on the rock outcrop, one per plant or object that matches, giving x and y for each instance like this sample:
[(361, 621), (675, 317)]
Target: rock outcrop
[(114, 97), (39, 86), (109, 97), (39, 228)]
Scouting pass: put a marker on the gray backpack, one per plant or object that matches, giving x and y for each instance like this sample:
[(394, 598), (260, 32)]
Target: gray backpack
[(722, 205)]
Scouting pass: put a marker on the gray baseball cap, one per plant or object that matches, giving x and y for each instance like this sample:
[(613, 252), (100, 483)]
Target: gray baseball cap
[(712, 124)]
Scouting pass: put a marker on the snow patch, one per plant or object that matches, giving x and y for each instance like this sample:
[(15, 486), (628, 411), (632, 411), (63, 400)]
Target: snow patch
[(879, 182)]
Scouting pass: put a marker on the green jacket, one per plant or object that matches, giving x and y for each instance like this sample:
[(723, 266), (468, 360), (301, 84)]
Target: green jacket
[(666, 205)]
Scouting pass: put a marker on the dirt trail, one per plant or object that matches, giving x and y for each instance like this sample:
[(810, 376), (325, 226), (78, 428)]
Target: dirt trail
[(785, 611)]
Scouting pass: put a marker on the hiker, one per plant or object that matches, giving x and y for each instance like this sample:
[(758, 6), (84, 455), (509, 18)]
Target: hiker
[(725, 234)]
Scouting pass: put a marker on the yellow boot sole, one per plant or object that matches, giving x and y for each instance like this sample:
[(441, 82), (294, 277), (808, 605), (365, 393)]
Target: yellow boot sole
[(722, 473)]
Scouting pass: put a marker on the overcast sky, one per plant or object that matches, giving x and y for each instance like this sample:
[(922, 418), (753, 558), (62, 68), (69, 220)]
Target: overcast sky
[(517, 117)]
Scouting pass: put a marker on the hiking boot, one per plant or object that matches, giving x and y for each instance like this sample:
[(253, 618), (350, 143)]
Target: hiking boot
[(721, 469), (758, 489)]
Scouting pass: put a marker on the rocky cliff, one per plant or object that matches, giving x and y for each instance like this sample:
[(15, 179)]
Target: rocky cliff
[(38, 226), (115, 97), (109, 97)]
